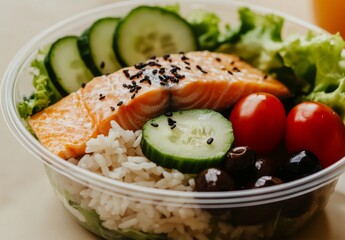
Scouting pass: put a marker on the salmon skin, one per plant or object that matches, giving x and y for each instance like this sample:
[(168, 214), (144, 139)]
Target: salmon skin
[(133, 95)]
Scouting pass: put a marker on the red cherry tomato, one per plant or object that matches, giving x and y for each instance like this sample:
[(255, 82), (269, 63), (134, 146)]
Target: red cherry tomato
[(258, 122), (316, 127)]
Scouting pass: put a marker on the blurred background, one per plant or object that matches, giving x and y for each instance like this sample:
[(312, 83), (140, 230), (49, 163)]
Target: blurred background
[(28, 208)]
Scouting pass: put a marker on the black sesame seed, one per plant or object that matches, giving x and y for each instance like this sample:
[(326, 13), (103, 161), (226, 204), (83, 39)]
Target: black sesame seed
[(171, 122), (236, 69), (218, 59), (102, 65), (175, 67), (188, 68), (183, 58), (187, 63), (101, 96), (133, 96), (125, 85), (230, 72), (154, 124), (173, 126), (165, 57), (210, 140), (154, 71), (153, 57), (265, 77), (120, 103), (140, 65), (162, 83), (112, 108), (168, 114), (83, 85), (201, 70), (232, 63), (162, 70)]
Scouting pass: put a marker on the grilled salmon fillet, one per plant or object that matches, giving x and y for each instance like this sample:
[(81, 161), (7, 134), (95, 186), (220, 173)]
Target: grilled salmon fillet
[(133, 95)]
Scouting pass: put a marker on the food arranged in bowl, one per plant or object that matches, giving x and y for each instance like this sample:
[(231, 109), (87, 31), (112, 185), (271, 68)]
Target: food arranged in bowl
[(170, 123)]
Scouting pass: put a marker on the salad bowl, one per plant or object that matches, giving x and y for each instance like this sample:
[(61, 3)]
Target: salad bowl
[(117, 210)]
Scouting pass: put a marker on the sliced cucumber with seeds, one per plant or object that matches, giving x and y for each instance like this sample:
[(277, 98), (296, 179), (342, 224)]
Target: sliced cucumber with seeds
[(152, 31), (96, 46), (65, 67), (189, 140)]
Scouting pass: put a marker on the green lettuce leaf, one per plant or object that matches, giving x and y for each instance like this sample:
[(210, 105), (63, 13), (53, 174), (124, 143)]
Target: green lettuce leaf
[(334, 99), (44, 94), (316, 58), (258, 39), (206, 28)]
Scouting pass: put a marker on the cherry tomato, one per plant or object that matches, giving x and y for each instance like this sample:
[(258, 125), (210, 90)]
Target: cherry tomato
[(258, 122), (316, 127)]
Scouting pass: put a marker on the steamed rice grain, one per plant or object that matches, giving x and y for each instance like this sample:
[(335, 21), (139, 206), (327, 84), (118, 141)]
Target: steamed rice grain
[(119, 156)]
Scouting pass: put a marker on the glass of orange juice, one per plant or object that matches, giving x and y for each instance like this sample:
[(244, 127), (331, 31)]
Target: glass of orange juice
[(330, 15)]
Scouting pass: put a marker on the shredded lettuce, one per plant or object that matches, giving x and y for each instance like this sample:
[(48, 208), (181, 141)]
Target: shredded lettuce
[(45, 93)]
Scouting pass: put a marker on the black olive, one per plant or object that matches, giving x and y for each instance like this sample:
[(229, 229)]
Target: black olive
[(300, 165), (266, 181), (266, 166), (213, 179), (240, 164)]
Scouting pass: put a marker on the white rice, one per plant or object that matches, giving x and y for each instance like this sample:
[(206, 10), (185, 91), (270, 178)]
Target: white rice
[(119, 156)]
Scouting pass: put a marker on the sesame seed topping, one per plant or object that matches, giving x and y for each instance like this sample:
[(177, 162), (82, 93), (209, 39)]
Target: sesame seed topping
[(112, 108), (102, 65), (210, 140), (133, 96), (236, 69), (154, 71), (165, 57), (230, 72), (101, 96), (201, 70), (154, 124), (183, 58), (162, 70), (119, 103), (188, 68), (171, 122), (140, 65), (265, 77), (168, 114), (173, 126), (83, 85), (218, 59)]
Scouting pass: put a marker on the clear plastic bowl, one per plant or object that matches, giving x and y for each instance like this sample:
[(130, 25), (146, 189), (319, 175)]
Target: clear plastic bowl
[(103, 205)]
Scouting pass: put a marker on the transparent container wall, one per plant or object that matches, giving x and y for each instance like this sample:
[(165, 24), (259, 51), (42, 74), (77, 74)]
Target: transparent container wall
[(118, 216)]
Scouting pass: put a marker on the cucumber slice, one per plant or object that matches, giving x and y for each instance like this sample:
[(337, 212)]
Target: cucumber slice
[(65, 67), (189, 140), (152, 31), (96, 46)]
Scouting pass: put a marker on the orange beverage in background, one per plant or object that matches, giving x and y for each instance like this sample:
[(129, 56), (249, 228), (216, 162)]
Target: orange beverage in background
[(330, 15)]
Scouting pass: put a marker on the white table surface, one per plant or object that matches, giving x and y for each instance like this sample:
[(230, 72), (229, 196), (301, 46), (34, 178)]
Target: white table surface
[(28, 207)]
